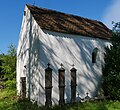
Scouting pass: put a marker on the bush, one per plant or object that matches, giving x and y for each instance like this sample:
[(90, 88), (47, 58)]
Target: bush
[(111, 70)]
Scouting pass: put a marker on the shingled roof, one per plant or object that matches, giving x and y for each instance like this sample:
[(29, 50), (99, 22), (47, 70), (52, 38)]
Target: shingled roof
[(66, 23)]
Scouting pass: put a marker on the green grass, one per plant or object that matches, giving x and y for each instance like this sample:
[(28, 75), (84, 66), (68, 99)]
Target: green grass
[(10, 101)]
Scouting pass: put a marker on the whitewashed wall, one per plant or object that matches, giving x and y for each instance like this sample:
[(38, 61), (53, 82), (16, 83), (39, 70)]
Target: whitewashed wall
[(23, 48), (38, 47)]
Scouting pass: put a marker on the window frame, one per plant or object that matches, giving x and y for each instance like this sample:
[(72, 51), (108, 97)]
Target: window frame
[(94, 55)]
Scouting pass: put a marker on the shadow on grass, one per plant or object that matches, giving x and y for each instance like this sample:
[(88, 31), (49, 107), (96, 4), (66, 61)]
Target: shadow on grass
[(27, 105)]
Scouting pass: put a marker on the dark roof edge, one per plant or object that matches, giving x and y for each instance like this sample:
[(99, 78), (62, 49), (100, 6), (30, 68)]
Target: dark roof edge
[(96, 37)]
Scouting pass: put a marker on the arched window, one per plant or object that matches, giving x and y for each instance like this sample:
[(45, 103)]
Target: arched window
[(94, 55)]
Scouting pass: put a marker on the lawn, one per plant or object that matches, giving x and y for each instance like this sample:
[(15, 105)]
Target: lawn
[(10, 101)]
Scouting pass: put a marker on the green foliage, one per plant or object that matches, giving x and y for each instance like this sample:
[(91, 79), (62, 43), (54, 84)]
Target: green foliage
[(8, 63), (111, 71), (10, 84)]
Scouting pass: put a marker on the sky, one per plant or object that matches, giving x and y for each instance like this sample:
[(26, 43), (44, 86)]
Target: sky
[(11, 13)]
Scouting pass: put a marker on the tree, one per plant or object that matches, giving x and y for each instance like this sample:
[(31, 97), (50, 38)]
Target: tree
[(8, 63), (0, 66), (111, 70)]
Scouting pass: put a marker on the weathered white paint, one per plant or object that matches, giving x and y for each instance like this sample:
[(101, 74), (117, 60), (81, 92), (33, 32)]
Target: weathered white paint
[(37, 47)]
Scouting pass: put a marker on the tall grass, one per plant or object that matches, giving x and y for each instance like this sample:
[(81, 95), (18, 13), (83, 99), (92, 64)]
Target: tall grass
[(10, 101)]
